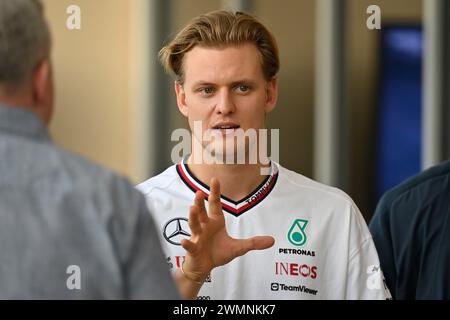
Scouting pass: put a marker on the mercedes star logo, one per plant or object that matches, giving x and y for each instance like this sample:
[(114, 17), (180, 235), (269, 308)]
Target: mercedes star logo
[(175, 230)]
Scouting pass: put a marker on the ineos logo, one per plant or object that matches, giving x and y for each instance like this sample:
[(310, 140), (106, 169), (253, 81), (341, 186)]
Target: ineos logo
[(175, 230)]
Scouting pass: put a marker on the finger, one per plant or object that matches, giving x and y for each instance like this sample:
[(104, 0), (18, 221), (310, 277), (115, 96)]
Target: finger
[(254, 243), (188, 245), (214, 194), (199, 201), (194, 222), (215, 207), (262, 242)]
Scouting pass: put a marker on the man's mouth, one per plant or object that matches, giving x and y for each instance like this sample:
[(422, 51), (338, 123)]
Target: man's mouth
[(226, 128)]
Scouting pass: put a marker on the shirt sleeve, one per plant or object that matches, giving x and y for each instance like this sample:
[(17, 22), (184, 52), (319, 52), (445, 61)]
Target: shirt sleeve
[(380, 230), (145, 272), (365, 279)]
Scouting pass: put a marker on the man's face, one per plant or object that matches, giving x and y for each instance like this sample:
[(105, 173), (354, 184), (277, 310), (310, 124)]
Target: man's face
[(225, 89)]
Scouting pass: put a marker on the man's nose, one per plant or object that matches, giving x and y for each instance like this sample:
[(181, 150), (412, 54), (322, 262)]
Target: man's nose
[(225, 104)]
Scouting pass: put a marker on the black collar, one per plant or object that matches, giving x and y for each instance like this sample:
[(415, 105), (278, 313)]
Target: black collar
[(236, 208)]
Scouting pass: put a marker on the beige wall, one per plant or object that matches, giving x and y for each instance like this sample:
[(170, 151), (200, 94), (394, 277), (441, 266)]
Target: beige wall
[(91, 67), (293, 25)]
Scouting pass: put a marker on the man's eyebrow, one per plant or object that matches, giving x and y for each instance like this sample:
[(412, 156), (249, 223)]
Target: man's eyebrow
[(203, 83), (243, 81), (233, 84)]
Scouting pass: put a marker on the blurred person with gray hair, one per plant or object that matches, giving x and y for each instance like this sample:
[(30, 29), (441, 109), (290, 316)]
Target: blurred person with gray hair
[(62, 216)]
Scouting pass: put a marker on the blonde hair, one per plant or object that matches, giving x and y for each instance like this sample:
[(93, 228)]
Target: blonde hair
[(219, 29)]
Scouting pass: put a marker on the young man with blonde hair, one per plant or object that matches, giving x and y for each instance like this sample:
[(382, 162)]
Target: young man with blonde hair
[(226, 67)]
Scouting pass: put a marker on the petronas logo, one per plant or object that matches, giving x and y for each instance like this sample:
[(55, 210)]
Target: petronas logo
[(297, 235)]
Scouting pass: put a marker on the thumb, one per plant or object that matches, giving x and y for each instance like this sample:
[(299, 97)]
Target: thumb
[(254, 243)]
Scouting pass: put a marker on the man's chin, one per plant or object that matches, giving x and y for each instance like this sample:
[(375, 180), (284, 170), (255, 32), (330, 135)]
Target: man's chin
[(235, 156)]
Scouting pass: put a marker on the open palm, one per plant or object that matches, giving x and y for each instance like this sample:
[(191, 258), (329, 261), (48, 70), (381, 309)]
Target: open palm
[(210, 245)]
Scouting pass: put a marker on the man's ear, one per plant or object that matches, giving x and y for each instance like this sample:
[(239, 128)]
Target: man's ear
[(40, 81), (181, 99), (271, 94), (42, 90)]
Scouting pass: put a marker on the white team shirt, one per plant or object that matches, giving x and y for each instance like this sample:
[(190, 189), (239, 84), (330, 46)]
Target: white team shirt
[(323, 248)]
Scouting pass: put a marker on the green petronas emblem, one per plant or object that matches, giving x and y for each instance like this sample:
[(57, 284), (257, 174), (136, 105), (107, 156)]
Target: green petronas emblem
[(297, 235)]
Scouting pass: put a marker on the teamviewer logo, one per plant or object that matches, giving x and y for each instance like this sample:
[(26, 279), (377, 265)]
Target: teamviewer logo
[(274, 287)]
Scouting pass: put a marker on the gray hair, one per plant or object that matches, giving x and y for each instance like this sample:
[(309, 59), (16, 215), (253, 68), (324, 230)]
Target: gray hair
[(24, 40)]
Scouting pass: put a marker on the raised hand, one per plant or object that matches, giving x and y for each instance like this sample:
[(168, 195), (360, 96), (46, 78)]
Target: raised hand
[(210, 245)]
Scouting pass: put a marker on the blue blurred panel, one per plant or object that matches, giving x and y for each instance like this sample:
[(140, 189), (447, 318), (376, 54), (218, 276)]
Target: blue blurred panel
[(399, 110)]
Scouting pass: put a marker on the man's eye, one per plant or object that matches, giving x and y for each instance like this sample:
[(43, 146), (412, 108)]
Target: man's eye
[(207, 90), (243, 88)]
